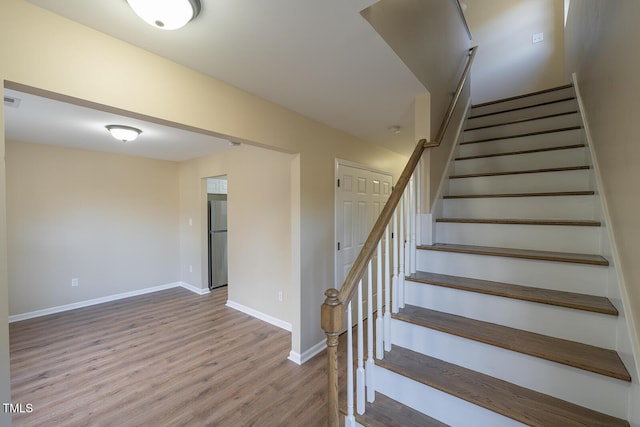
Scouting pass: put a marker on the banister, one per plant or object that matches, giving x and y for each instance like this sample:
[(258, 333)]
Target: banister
[(357, 270), (336, 301), (454, 102)]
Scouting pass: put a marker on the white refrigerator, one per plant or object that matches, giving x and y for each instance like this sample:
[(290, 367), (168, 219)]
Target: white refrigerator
[(217, 240)]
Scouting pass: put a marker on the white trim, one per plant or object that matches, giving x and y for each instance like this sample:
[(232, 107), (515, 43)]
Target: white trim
[(259, 315), (622, 285), (194, 289), (359, 166), (87, 303), (456, 143), (428, 223), (109, 298), (308, 354)]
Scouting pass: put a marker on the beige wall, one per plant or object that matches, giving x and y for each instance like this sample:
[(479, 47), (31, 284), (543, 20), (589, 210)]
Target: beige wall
[(260, 252), (140, 82), (430, 38), (508, 63), (601, 43), (5, 390), (109, 220)]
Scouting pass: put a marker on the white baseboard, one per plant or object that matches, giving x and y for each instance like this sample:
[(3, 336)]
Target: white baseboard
[(307, 355), (259, 315), (195, 289), (87, 303)]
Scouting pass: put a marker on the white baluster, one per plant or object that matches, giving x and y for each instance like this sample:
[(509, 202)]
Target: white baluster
[(414, 217), (407, 242), (401, 239), (350, 420), (418, 204), (360, 371), (371, 392), (379, 319), (387, 292), (394, 280)]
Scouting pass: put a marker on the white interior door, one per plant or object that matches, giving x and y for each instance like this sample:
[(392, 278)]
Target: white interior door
[(360, 196)]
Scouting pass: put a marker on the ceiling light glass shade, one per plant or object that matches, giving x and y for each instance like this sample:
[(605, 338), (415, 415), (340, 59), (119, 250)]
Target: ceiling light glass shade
[(123, 133), (166, 14)]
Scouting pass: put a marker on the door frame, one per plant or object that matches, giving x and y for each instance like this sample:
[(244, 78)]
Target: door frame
[(341, 162)]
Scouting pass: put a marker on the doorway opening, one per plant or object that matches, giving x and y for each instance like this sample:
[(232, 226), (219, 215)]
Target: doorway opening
[(217, 231)]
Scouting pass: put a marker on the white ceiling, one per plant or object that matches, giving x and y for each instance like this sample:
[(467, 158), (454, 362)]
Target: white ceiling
[(317, 57), (46, 121)]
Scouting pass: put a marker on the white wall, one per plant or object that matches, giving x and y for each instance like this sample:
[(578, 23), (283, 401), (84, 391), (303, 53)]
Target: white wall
[(601, 45), (109, 220), (508, 63), (431, 39)]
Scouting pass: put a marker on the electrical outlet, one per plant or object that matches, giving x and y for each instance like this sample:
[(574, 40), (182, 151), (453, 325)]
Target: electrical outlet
[(191, 269), (280, 296), (537, 38), (74, 282), (190, 222)]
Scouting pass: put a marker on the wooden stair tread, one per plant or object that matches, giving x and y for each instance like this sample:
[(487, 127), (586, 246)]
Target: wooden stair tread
[(515, 402), (386, 412), (524, 95), (518, 253), (582, 356), (520, 172), (541, 104), (572, 300), (523, 120), (498, 195), (576, 223), (519, 152), (521, 135)]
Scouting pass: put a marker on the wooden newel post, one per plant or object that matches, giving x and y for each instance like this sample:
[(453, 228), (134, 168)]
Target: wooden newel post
[(331, 322)]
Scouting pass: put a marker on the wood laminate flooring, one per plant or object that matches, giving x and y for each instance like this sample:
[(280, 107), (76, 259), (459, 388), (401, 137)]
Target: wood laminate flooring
[(171, 358)]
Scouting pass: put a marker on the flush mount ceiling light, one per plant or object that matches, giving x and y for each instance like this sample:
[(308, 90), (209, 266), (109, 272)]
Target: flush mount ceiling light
[(166, 14), (123, 133)]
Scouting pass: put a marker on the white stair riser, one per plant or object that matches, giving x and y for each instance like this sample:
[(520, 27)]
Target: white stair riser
[(566, 207), (559, 238), (525, 101), (540, 160), (570, 277), (507, 130), (532, 112), (441, 406), (545, 140), (561, 322), (578, 386), (577, 180)]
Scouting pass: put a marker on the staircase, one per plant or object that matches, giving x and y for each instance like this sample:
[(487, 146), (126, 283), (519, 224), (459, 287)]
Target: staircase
[(506, 320)]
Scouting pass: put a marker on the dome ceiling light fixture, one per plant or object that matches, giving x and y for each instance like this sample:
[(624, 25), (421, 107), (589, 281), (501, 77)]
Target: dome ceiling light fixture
[(123, 133), (166, 14)]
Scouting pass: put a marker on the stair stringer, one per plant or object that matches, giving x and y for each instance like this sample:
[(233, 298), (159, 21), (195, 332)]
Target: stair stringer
[(627, 342), (426, 220)]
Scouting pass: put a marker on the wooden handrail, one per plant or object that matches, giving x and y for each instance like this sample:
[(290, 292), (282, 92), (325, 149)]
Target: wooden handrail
[(357, 270), (333, 307), (454, 102)]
